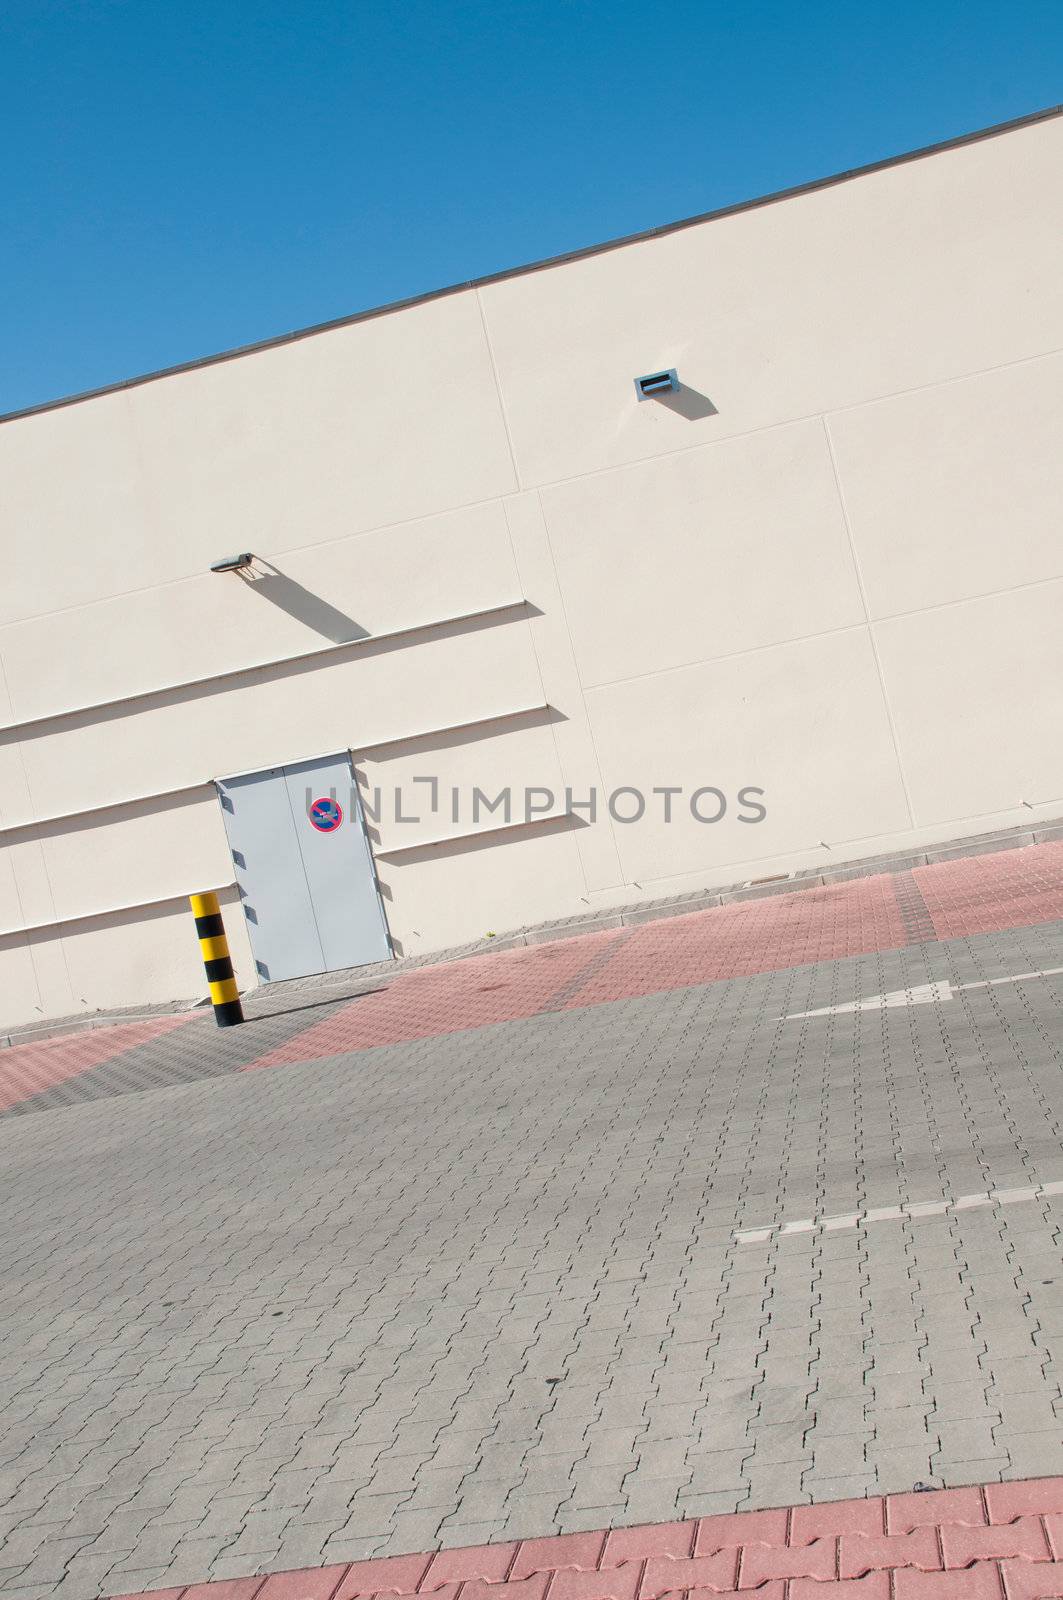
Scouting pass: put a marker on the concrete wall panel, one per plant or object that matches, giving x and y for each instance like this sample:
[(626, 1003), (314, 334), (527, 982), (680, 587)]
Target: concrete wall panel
[(703, 554), (975, 690), (955, 491), (805, 722)]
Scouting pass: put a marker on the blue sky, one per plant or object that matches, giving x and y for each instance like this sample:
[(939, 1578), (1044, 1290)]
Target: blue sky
[(181, 178)]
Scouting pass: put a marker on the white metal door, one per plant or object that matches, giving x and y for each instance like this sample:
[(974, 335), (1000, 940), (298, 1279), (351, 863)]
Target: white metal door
[(304, 868)]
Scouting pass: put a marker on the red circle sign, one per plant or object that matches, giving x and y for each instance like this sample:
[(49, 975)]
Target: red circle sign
[(325, 815)]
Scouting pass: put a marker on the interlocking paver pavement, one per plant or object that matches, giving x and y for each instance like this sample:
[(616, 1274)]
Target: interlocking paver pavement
[(951, 1545), (499, 1284)]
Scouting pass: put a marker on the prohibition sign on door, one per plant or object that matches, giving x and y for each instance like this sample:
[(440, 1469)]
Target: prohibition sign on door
[(325, 814)]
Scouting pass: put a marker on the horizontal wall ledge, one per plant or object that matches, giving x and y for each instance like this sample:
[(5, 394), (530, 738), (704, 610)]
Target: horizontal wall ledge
[(115, 911), (276, 667), (550, 821), (201, 788), (541, 713)]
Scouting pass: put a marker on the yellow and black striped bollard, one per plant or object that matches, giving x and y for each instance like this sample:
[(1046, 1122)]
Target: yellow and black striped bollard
[(210, 930)]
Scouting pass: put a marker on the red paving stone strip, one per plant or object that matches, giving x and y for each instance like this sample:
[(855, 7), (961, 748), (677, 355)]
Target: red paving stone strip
[(992, 1543), (752, 936), (982, 894), (29, 1069)]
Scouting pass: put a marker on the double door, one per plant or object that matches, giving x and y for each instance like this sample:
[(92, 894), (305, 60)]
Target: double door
[(304, 868)]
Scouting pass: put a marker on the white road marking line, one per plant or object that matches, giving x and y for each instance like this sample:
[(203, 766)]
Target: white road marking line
[(914, 1208), (921, 994), (1020, 977)]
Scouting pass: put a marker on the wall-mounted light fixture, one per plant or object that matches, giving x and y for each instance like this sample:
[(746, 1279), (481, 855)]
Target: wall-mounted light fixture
[(233, 563), (657, 383)]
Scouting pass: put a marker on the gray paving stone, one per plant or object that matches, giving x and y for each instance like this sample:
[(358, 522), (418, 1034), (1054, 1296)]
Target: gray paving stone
[(1015, 1375), (1028, 1413), (777, 1484), (1031, 1455), (844, 1455), (905, 1426), (653, 1499), (898, 1470), (719, 1469), (837, 1418)]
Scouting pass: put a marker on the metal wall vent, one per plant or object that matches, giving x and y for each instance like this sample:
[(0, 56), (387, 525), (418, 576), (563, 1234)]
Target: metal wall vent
[(657, 383)]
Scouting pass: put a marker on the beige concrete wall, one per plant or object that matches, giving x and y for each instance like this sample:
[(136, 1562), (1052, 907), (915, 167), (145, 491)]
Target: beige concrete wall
[(830, 568)]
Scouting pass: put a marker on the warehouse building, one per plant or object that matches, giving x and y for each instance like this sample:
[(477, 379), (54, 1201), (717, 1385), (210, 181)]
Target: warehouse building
[(695, 559)]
